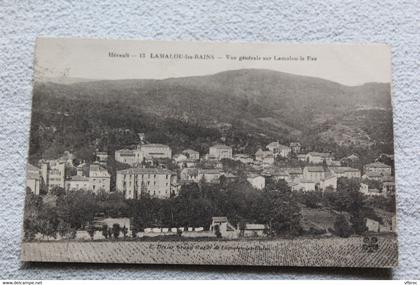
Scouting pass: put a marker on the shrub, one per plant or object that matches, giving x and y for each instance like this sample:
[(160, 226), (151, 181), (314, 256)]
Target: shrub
[(116, 230), (342, 227)]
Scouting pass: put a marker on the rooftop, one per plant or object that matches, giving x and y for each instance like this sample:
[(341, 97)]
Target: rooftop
[(125, 151), (377, 165), (30, 167), (342, 169), (139, 170), (253, 175), (254, 226), (78, 178), (209, 171), (315, 168), (219, 219), (155, 145), (221, 146), (189, 151), (321, 154), (373, 174)]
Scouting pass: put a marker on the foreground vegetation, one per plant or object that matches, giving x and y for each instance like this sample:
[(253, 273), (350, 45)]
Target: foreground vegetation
[(63, 213)]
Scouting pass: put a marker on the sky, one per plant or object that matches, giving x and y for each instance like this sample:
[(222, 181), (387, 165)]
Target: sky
[(99, 59)]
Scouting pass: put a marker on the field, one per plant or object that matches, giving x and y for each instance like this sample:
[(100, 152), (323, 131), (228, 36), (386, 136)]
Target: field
[(337, 252)]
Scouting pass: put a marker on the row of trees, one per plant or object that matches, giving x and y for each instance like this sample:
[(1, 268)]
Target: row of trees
[(277, 206), (63, 212)]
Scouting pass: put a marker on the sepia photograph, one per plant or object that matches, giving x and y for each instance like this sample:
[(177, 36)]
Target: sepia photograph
[(211, 153)]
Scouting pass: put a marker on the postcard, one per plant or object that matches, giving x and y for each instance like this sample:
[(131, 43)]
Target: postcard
[(211, 153)]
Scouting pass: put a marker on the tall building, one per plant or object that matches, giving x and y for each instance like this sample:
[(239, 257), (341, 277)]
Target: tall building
[(33, 178), (377, 168), (220, 151), (128, 156), (278, 149), (156, 182), (53, 173), (153, 151), (99, 178)]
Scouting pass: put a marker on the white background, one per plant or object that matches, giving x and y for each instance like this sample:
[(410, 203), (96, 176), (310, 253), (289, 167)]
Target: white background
[(394, 22)]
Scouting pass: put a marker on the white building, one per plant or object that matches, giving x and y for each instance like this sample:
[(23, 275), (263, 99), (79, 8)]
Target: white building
[(178, 158), (128, 156), (191, 154), (155, 151), (77, 182), (319, 158), (264, 156), (295, 147), (244, 158), (347, 172), (33, 178), (156, 182), (210, 175), (257, 181), (378, 168), (102, 156), (99, 178), (220, 151), (276, 174), (198, 174), (53, 173), (316, 178), (278, 149)]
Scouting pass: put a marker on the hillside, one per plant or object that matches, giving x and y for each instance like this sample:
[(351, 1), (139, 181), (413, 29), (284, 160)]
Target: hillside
[(259, 104)]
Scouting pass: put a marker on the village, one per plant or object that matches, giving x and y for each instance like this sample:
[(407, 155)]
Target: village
[(151, 169)]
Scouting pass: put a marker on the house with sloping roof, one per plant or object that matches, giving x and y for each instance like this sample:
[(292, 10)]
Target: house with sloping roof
[(295, 147), (254, 230), (344, 171), (257, 181), (33, 178), (155, 151), (264, 156), (156, 182), (314, 173), (221, 225), (99, 178), (319, 157), (278, 149), (77, 182), (244, 158), (191, 154), (128, 156), (377, 167), (220, 151)]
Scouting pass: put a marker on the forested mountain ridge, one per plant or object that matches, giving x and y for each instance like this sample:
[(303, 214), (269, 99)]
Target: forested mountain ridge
[(261, 105)]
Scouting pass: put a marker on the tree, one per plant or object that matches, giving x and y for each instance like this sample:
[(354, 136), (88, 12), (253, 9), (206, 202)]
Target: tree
[(134, 232), (91, 231), (342, 227), (63, 229), (124, 230), (116, 230), (358, 223), (280, 210), (217, 232), (105, 231)]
